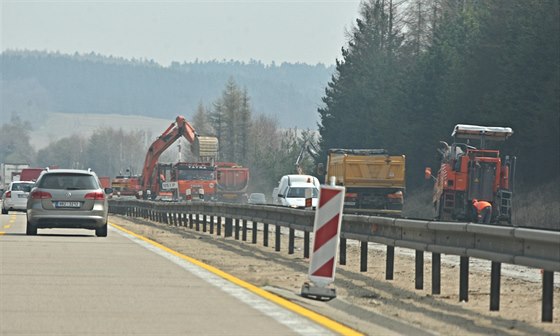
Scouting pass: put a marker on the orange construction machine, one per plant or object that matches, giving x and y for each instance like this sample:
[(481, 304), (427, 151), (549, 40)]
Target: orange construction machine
[(470, 173), (125, 185), (232, 182), (204, 148)]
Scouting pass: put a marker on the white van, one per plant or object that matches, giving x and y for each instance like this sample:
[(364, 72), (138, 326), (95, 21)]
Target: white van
[(292, 190)]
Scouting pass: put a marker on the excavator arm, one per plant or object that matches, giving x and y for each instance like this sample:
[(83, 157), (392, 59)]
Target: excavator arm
[(204, 148), (308, 147)]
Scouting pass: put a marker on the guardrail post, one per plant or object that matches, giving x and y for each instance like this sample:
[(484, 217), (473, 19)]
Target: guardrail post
[(547, 296), (228, 228), (277, 239), (244, 230), (197, 221), (390, 263), (342, 253), (236, 223), (363, 256), (254, 233), (191, 221), (306, 244), (265, 234), (464, 279), (211, 224), (419, 270), (436, 273), (291, 238), (218, 225), (495, 286), (204, 222)]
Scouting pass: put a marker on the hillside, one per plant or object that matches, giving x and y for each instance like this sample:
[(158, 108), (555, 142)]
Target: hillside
[(55, 126), (33, 83)]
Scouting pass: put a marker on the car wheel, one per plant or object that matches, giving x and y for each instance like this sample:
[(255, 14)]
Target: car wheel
[(4, 211), (101, 231), (31, 229)]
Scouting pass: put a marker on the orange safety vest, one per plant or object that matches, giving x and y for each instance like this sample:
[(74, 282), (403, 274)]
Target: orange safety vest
[(480, 205)]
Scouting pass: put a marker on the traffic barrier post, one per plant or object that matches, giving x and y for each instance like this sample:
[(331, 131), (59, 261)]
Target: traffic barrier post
[(326, 232)]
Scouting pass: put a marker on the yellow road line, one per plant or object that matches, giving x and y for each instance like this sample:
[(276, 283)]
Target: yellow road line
[(7, 226), (317, 318)]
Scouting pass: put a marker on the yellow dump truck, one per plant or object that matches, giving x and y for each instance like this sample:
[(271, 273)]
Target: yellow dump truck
[(374, 180)]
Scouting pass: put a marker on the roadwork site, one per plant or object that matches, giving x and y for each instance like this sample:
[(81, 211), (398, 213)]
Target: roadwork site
[(365, 300)]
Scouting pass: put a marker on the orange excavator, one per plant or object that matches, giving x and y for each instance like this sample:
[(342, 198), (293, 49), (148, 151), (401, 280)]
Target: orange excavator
[(204, 148)]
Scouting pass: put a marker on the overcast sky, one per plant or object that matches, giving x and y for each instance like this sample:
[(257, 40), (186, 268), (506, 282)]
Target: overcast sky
[(306, 31)]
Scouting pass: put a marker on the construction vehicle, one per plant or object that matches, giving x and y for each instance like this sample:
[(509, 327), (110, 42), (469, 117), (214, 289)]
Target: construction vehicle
[(374, 180), (125, 185), (467, 173), (232, 182), (204, 148), (105, 181), (31, 174), (197, 179), (309, 148), (10, 172)]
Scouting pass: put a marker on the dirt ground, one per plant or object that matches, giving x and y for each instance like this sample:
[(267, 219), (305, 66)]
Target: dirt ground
[(365, 299)]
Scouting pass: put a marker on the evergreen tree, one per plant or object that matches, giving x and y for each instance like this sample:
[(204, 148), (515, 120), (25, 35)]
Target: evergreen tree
[(231, 119)]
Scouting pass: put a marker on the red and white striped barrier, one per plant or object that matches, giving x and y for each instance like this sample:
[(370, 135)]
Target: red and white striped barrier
[(326, 232)]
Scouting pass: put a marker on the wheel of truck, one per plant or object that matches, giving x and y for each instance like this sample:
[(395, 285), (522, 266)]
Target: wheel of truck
[(31, 230), (101, 231), (4, 211)]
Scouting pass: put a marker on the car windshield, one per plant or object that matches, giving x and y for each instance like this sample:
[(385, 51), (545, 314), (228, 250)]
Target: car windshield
[(299, 192), (26, 187), (68, 182)]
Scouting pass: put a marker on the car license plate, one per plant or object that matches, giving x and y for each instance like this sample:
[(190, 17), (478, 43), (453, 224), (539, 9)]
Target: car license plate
[(22, 195), (68, 204)]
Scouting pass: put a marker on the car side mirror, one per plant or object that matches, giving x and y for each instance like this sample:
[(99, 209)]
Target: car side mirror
[(108, 191)]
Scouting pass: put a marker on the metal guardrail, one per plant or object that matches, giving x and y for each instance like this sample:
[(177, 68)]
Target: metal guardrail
[(511, 245)]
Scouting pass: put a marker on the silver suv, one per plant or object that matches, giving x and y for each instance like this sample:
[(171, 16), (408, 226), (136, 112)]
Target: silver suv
[(68, 198)]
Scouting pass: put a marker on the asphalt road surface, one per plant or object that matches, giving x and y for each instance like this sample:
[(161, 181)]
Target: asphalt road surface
[(70, 282)]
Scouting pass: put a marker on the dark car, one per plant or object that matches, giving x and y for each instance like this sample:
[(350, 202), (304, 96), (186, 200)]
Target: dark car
[(256, 198), (68, 198)]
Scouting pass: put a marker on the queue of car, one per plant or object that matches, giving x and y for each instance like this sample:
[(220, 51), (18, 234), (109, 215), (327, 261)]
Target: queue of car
[(72, 198), (60, 198)]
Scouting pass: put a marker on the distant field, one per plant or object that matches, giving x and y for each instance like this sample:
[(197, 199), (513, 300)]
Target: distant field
[(56, 126)]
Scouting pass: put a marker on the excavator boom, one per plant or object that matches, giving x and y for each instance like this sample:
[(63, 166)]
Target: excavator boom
[(203, 147)]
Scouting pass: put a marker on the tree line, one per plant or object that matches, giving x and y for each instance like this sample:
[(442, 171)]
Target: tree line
[(252, 140), (36, 81), (413, 69)]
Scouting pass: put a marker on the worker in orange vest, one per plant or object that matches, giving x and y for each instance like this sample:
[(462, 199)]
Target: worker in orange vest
[(482, 211)]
